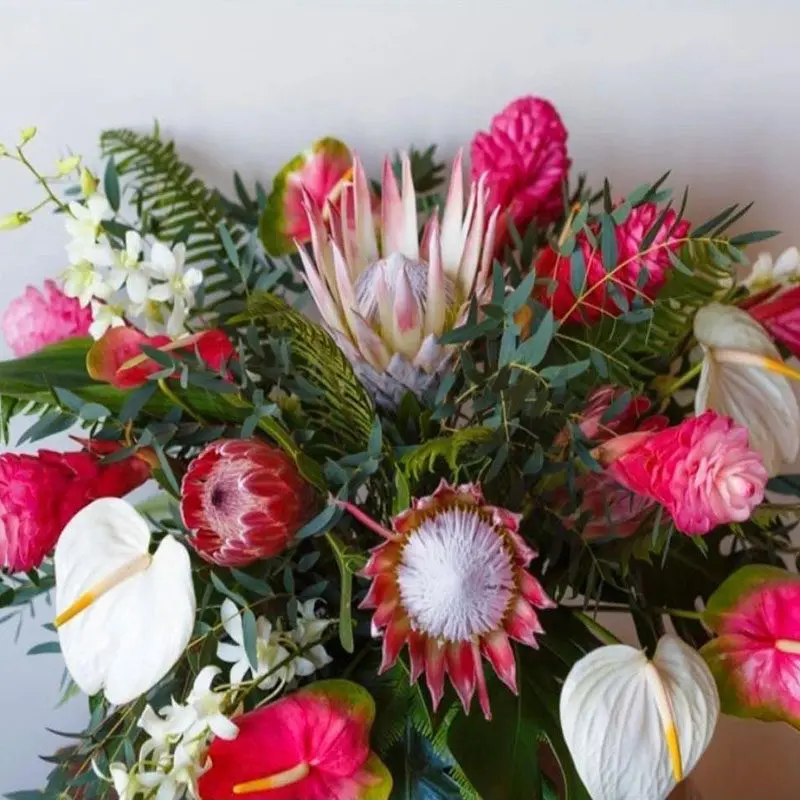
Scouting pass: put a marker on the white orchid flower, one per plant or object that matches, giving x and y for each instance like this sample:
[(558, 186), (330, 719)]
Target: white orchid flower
[(206, 704), (125, 267), (125, 783), (309, 629), (766, 273), (105, 316), (274, 663), (179, 283), (636, 727), (744, 377), (124, 616), (84, 282), (83, 225)]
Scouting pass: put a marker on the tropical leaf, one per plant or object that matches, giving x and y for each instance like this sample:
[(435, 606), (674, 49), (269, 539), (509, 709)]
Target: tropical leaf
[(343, 409), (424, 457)]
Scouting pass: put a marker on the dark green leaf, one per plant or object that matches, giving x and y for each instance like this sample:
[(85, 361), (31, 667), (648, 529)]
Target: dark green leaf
[(752, 237), (111, 184), (533, 350), (45, 647), (250, 636)]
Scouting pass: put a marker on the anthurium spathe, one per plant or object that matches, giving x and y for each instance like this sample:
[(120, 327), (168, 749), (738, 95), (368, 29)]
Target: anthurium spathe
[(310, 745), (124, 615), (323, 171), (755, 658), (744, 377), (636, 727)]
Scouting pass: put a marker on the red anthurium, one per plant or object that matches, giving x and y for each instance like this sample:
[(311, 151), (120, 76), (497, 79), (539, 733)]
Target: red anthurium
[(310, 745), (779, 313), (118, 359), (755, 658)]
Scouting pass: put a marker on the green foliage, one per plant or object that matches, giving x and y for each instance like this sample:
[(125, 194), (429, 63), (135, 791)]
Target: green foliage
[(423, 458)]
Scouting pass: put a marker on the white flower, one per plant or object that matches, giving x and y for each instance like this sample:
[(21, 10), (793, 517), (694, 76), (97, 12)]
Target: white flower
[(105, 316), (125, 782), (83, 225), (179, 282), (125, 267), (206, 705), (271, 654), (83, 281), (765, 273), (309, 630)]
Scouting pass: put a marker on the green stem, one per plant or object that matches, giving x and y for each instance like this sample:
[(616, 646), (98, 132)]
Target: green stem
[(687, 377), (41, 179), (162, 384), (677, 612)]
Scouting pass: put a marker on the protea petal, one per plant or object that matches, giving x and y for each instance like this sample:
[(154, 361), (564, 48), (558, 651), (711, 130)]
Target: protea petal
[(452, 219), (437, 297), (319, 291), (369, 343), (365, 225), (409, 245), (461, 668), (345, 286), (391, 212), (498, 651), (470, 258), (407, 318), (393, 640), (480, 682), (524, 624), (435, 665), (416, 654), (487, 257)]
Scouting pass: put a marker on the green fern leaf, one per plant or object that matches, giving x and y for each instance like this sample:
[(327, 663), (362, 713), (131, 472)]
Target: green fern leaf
[(345, 410), (424, 458)]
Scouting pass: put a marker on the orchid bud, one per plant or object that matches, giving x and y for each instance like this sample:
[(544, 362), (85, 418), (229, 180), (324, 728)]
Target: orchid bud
[(66, 165), (26, 134), (89, 182), (14, 220)]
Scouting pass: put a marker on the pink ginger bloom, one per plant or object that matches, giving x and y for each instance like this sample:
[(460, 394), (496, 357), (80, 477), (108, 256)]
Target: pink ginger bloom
[(612, 509), (702, 470), (595, 299), (779, 313), (524, 158), (42, 317)]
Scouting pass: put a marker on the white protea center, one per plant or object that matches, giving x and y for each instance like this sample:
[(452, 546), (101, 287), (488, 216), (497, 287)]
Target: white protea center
[(456, 576), (387, 299)]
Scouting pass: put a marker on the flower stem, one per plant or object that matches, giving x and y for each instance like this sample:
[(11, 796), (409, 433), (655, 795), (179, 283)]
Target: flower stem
[(687, 377), (678, 612), (41, 180), (165, 388)]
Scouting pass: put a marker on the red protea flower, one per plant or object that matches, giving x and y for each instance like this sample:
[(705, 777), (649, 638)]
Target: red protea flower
[(117, 357), (451, 582), (243, 500), (40, 494), (42, 317), (595, 299), (779, 313), (524, 159)]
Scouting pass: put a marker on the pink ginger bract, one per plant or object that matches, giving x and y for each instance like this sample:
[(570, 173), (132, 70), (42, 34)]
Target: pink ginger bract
[(523, 157), (42, 317), (243, 500), (625, 275), (451, 582), (702, 470)]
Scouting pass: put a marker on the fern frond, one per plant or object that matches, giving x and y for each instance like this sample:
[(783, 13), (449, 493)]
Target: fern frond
[(344, 408), (424, 457), (177, 203)]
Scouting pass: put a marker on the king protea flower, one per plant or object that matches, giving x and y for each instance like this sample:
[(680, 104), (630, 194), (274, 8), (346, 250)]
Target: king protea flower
[(451, 581), (387, 299)]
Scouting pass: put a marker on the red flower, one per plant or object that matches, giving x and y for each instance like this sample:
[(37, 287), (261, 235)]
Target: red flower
[(595, 297), (243, 500), (779, 313), (118, 359), (702, 470), (310, 745), (40, 494), (524, 158)]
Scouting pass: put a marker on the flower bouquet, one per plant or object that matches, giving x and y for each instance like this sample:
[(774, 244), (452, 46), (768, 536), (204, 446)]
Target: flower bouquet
[(407, 434)]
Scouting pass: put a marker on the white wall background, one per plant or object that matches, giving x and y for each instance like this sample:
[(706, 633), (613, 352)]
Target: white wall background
[(708, 89)]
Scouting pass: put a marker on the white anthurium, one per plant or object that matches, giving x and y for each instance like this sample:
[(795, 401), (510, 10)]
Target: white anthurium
[(635, 727), (744, 377), (124, 616)]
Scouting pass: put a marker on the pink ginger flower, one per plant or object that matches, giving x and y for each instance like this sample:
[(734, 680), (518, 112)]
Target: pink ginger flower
[(779, 313), (595, 298), (702, 470), (40, 494), (610, 508), (524, 158), (42, 317)]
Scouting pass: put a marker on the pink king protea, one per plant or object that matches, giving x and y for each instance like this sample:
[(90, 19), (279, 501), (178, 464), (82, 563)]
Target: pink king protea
[(243, 500), (524, 158), (387, 299), (451, 581), (39, 318), (702, 470), (596, 300)]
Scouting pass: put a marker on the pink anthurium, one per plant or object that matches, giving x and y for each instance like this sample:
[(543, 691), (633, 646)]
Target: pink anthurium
[(323, 172), (117, 358), (310, 745), (755, 657)]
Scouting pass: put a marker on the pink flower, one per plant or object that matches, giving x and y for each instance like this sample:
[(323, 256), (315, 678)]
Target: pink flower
[(595, 298), (40, 494), (702, 470), (524, 158), (39, 318), (609, 508), (243, 500), (779, 313)]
